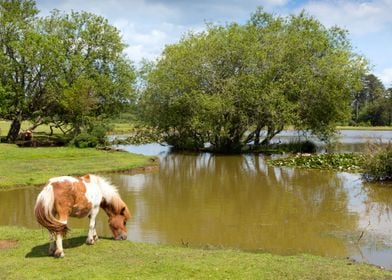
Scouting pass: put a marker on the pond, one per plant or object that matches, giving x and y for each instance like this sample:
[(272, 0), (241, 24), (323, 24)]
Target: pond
[(237, 201)]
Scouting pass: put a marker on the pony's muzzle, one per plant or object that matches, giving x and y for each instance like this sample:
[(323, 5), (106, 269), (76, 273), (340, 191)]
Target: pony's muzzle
[(122, 236)]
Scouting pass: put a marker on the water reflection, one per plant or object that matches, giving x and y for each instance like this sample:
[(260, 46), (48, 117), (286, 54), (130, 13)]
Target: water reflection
[(239, 202)]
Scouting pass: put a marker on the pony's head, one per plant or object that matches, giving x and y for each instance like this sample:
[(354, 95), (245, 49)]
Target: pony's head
[(118, 224), (118, 215)]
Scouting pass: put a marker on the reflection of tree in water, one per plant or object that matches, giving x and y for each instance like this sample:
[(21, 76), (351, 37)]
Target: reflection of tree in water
[(238, 201), (378, 202)]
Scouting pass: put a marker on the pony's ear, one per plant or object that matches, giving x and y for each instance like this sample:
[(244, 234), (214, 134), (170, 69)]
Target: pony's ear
[(122, 212)]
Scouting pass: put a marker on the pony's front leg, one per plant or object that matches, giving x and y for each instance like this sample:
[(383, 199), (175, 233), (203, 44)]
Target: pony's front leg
[(59, 253), (92, 236)]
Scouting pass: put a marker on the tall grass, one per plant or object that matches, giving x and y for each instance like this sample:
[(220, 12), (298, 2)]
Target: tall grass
[(378, 162)]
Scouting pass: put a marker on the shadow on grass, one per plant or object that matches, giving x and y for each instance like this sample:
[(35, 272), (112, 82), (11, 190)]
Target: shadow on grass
[(42, 250)]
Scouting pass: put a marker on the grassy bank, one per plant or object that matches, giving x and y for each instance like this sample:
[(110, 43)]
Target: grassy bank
[(110, 259), (387, 128), (32, 166)]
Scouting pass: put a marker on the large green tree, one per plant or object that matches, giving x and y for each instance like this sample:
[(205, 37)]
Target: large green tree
[(19, 75), (94, 80), (66, 70), (218, 85)]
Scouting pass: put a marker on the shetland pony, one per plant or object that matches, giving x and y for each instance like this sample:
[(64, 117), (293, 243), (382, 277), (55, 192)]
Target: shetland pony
[(68, 196)]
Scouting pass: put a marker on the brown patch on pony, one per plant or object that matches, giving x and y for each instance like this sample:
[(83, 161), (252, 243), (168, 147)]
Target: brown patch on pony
[(8, 243), (70, 200), (86, 178)]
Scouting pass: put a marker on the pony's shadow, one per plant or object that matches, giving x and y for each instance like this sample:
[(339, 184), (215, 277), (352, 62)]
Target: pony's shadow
[(41, 251)]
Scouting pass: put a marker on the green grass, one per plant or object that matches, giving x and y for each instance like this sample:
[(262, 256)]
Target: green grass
[(5, 125), (120, 127), (364, 128), (110, 259), (33, 166)]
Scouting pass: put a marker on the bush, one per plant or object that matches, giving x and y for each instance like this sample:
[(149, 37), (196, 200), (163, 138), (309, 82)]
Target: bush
[(85, 140), (378, 163), (99, 132)]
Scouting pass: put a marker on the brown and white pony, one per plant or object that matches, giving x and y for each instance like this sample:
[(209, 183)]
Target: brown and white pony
[(68, 196)]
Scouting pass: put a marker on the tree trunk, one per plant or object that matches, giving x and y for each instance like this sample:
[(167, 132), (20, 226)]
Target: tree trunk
[(14, 130), (271, 132), (257, 135)]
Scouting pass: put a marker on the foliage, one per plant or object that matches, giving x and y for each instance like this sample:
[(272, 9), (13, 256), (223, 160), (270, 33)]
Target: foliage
[(215, 85), (19, 79), (130, 260), (33, 166), (378, 112), (66, 69), (336, 161), (373, 104), (85, 140), (140, 135), (378, 162), (306, 146)]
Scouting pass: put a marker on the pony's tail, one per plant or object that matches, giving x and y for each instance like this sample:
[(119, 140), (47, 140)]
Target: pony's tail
[(44, 212)]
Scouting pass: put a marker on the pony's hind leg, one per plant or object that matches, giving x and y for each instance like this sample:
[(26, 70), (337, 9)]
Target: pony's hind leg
[(52, 244), (59, 253)]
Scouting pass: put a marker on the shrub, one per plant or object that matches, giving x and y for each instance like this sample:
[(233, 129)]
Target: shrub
[(378, 162), (85, 140), (99, 132)]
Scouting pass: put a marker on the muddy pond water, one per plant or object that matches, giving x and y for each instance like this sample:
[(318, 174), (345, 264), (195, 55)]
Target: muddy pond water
[(216, 201)]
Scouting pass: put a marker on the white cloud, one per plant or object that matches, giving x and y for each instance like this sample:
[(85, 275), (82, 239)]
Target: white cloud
[(147, 43), (359, 17), (386, 77)]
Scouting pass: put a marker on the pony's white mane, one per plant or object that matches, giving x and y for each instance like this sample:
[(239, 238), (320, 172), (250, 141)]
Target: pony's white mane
[(109, 192)]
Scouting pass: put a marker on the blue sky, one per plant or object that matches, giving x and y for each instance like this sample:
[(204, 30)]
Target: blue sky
[(148, 25)]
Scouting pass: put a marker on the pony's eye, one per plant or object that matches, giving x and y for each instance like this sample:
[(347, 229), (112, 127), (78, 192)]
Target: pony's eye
[(125, 223)]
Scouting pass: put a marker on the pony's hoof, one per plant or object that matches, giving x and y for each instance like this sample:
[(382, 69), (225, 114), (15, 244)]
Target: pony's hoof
[(59, 254), (90, 241)]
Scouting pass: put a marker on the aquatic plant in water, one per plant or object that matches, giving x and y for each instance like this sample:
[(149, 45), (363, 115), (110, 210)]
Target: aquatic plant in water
[(335, 161)]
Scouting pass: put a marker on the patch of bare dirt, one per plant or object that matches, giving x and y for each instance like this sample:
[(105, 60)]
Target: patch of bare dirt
[(8, 243)]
